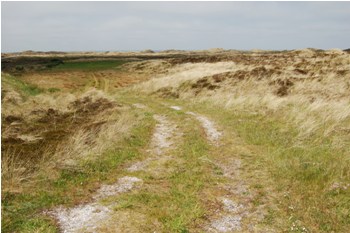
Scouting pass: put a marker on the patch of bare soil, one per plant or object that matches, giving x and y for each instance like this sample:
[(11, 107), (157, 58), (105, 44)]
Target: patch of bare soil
[(212, 133), (177, 108), (235, 212), (123, 185), (91, 216), (229, 216), (140, 106), (162, 137)]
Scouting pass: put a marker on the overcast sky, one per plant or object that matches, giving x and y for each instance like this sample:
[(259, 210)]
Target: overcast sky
[(111, 26)]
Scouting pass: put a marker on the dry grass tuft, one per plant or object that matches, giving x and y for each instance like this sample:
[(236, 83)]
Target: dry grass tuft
[(14, 172), (185, 72), (92, 143), (69, 128), (310, 89), (295, 106)]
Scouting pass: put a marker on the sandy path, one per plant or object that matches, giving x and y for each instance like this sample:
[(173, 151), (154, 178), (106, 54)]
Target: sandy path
[(212, 133), (163, 135), (162, 140), (229, 217), (91, 216)]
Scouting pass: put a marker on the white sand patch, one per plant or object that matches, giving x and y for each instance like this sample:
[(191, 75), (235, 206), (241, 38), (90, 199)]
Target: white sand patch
[(83, 218), (228, 223), (138, 105), (230, 217), (123, 185), (138, 166), (164, 132), (162, 139), (231, 206), (177, 108), (209, 126), (88, 217), (239, 189), (191, 113), (212, 133)]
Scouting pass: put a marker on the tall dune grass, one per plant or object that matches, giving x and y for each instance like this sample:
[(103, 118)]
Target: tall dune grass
[(303, 134)]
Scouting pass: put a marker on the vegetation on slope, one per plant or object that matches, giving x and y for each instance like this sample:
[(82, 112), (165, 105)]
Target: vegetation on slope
[(295, 108), (290, 109), (16, 84), (308, 179), (23, 212)]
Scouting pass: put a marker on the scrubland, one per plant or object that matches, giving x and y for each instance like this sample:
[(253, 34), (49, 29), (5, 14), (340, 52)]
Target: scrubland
[(285, 115), (295, 107), (54, 140)]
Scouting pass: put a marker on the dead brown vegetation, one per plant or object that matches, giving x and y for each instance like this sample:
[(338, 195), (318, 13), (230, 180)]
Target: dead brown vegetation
[(292, 108), (264, 82), (57, 131)]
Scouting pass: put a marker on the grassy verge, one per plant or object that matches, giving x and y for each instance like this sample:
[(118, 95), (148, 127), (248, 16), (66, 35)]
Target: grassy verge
[(23, 212), (309, 177)]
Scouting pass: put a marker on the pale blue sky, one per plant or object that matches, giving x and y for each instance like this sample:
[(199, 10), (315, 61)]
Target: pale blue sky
[(111, 26)]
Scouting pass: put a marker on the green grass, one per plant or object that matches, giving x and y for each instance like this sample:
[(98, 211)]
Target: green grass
[(53, 90), (183, 201), (173, 198), (89, 65), (25, 89), (301, 172), (177, 206), (23, 212), (19, 85)]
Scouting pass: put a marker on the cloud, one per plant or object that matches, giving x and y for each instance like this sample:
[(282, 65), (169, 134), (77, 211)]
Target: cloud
[(77, 26)]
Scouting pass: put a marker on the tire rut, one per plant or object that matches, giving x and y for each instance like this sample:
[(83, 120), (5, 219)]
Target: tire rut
[(163, 140), (213, 135), (232, 211), (228, 218)]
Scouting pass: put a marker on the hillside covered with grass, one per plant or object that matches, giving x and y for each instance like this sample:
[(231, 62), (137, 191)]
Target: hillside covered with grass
[(214, 141)]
